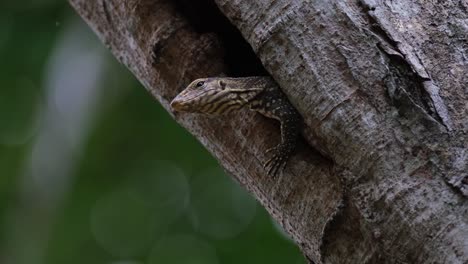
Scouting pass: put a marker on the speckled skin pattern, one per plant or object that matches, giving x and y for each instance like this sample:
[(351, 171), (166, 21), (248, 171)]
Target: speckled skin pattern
[(220, 95)]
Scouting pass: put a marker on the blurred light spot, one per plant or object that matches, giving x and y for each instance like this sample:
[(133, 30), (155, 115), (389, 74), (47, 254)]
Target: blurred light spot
[(125, 222), (75, 78), (162, 187), (61, 129), (221, 209), (122, 224), (70, 104), (184, 249), (19, 112)]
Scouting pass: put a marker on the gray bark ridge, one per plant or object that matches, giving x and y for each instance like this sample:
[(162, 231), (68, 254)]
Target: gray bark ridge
[(367, 78)]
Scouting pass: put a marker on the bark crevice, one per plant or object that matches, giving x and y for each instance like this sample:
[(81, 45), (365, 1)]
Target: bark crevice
[(204, 17), (403, 78), (405, 65)]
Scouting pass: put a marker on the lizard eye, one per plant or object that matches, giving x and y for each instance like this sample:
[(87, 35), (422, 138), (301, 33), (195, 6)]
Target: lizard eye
[(222, 85), (200, 84)]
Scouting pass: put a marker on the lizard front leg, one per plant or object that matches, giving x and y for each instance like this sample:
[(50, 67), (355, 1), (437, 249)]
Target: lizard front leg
[(290, 128), (273, 103)]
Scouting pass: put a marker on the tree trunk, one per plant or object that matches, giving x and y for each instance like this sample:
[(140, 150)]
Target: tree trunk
[(381, 85)]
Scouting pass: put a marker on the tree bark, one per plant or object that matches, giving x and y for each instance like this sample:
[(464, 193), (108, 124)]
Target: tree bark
[(382, 86)]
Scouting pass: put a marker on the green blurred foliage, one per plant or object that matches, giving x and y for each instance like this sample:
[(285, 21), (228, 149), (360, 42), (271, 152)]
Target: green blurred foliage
[(136, 188)]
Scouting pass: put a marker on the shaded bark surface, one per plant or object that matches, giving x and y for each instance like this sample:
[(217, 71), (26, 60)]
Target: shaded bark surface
[(382, 87)]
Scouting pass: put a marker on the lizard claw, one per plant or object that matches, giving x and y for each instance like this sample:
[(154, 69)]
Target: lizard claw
[(270, 150), (277, 163)]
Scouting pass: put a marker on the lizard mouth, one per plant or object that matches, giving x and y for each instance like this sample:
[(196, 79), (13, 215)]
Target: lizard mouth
[(177, 105), (182, 103)]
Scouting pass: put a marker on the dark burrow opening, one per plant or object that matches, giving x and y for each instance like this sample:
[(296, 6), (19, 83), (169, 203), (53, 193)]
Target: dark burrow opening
[(205, 17)]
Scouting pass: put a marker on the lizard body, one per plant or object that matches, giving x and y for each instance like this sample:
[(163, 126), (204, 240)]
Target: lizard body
[(220, 95)]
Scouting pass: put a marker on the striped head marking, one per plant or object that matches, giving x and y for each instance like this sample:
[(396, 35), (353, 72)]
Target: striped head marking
[(212, 96)]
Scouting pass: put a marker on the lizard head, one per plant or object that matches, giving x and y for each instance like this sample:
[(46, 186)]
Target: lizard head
[(212, 96)]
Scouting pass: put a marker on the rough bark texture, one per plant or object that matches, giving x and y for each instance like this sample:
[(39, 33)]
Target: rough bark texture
[(382, 87)]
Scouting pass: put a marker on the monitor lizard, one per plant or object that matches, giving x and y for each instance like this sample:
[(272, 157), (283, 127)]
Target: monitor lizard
[(221, 95)]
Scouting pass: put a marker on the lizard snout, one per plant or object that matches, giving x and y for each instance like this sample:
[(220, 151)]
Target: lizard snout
[(177, 104)]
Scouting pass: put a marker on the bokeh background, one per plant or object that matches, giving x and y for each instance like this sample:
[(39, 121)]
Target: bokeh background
[(92, 168)]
